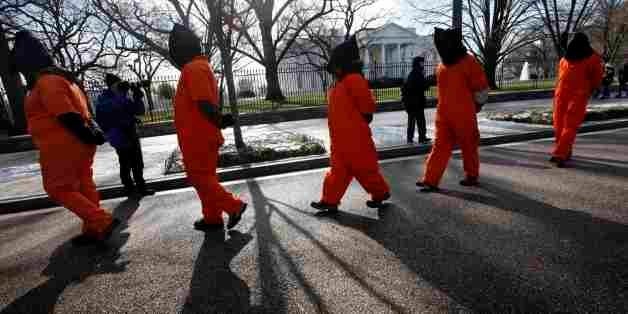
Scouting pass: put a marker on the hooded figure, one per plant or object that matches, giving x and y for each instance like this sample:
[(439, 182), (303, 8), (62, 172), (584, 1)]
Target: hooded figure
[(461, 81), (580, 73), (198, 121), (62, 128), (353, 154), (413, 98)]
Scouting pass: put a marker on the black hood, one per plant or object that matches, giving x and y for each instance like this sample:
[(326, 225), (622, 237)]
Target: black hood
[(417, 63), (579, 48), (183, 45), (346, 57), (111, 79), (449, 44), (29, 55)]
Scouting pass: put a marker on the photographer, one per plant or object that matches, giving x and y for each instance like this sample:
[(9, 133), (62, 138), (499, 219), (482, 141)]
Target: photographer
[(116, 114)]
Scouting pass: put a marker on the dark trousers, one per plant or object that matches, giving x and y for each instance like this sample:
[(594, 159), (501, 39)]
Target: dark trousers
[(418, 119), (132, 161)]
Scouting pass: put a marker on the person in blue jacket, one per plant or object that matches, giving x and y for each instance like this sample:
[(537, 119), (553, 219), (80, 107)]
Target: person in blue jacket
[(116, 113)]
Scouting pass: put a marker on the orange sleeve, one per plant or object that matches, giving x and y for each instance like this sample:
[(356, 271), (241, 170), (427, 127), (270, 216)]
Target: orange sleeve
[(478, 76), (596, 71), (200, 83), (359, 90), (57, 95)]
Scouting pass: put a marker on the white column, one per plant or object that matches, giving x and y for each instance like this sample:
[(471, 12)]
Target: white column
[(399, 53), (367, 59), (383, 56)]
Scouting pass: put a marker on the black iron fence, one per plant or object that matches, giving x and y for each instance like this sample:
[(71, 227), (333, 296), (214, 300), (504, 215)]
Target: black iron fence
[(306, 86)]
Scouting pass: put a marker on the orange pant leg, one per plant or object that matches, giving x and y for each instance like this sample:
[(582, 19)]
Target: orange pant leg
[(572, 120), (558, 117), (201, 161), (87, 185), (367, 172), (469, 141), (67, 180), (336, 181), (438, 159)]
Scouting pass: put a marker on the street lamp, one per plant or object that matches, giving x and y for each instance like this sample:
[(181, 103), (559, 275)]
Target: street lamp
[(457, 14)]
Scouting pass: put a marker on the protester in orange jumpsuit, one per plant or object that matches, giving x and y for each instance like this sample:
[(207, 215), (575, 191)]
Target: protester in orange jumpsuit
[(353, 154), (63, 130), (462, 89), (198, 121), (580, 74)]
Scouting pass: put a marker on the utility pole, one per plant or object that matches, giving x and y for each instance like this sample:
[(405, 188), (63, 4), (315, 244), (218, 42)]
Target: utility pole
[(457, 16)]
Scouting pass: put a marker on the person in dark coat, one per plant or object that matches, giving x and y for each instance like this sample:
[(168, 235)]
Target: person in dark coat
[(413, 98), (623, 79), (116, 114), (609, 78)]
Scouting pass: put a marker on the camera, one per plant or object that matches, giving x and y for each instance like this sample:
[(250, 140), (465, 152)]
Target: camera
[(125, 86)]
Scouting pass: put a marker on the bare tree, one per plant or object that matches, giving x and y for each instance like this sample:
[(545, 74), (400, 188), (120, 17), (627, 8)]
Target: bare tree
[(273, 32), (12, 83), (561, 17), (610, 26), (150, 25), (144, 66), (76, 38), (493, 29), (227, 40)]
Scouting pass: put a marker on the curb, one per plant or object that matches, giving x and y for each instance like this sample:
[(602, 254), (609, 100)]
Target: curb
[(41, 201)]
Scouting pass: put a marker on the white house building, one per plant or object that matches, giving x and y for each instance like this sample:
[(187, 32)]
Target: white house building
[(386, 51)]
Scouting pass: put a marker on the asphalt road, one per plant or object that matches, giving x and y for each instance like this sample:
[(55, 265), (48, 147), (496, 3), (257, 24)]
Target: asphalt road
[(530, 239)]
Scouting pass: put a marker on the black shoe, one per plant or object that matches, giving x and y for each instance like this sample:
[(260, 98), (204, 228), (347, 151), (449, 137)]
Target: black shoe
[(553, 159), (425, 188), (201, 225), (378, 203), (561, 163), (84, 239), (234, 219), (328, 208), (146, 191), (469, 181), (425, 140)]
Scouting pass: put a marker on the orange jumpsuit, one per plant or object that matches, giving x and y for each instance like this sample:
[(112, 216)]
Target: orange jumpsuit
[(200, 139), (353, 152), (456, 121), (66, 162), (576, 82)]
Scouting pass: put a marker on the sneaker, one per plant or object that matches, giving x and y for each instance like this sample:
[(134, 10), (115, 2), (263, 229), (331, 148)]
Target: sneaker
[(425, 140), (201, 225), (331, 209), (378, 203), (92, 238), (234, 219), (426, 188), (146, 191), (469, 181)]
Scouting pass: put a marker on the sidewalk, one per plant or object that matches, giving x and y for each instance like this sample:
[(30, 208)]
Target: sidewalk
[(20, 174)]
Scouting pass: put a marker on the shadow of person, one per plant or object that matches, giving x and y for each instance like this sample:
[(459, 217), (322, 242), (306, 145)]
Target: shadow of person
[(70, 264), (214, 288)]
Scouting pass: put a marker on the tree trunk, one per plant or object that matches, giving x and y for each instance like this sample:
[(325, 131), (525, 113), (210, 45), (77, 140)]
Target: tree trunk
[(16, 91), (490, 66), (227, 64), (273, 90), (149, 98)]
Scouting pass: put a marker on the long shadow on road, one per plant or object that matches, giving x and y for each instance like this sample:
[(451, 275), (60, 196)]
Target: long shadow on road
[(70, 264), (439, 253), (214, 288)]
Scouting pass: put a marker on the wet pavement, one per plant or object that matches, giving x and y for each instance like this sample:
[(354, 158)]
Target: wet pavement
[(530, 239), (20, 176)]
